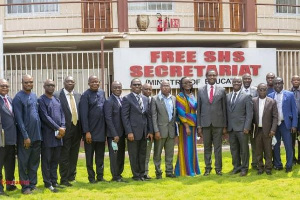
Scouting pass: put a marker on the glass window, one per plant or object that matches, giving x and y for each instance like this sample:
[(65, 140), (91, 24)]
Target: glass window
[(288, 8), (31, 8), (151, 6)]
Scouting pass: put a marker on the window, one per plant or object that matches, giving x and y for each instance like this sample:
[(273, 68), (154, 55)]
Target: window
[(288, 8), (151, 6), (31, 8)]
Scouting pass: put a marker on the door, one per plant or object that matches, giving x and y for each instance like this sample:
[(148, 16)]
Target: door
[(237, 15), (208, 16), (96, 16)]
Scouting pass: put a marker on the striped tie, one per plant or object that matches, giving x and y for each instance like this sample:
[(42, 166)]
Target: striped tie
[(73, 109), (139, 99)]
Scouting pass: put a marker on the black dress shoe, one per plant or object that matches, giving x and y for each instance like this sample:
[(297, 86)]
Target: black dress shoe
[(206, 173), (66, 183), (171, 175), (254, 167), (57, 186), (101, 179), (147, 177), (260, 172), (278, 168), (268, 172), (219, 172), (27, 191), (136, 178), (11, 188), (34, 188), (287, 170), (235, 172), (243, 173), (2, 193), (158, 176), (120, 180), (52, 189), (93, 182)]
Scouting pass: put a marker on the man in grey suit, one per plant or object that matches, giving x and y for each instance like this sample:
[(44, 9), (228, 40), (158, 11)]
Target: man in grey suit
[(138, 128), (212, 120), (163, 118), (265, 118), (239, 116), (252, 91)]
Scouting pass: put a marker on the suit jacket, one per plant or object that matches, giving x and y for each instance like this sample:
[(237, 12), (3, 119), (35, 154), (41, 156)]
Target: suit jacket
[(8, 123), (253, 91), (211, 113), (269, 117), (92, 114), (289, 109), (113, 118), (67, 110), (52, 118), (160, 117), (239, 116), (134, 119)]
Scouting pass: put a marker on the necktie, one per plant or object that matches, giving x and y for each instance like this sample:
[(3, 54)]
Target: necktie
[(211, 94), (120, 101), (73, 109), (7, 104), (140, 101), (233, 100), (246, 90)]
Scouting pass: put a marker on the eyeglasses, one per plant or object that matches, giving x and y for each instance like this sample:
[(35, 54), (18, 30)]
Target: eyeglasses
[(136, 85), (28, 82)]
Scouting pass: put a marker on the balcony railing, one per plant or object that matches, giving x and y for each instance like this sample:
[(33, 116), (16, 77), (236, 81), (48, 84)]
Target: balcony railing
[(69, 16)]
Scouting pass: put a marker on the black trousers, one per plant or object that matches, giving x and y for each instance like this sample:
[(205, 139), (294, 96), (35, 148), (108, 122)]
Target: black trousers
[(97, 149), (8, 161), (137, 157), (50, 158), (116, 158), (69, 154), (28, 162), (294, 138)]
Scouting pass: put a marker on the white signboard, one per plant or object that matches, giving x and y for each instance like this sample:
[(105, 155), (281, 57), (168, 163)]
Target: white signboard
[(1, 53), (152, 65)]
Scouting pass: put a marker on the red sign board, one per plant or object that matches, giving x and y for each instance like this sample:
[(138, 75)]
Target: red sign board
[(175, 23)]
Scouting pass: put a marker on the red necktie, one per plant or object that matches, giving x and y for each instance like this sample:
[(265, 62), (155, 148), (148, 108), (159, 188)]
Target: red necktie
[(7, 104), (211, 94)]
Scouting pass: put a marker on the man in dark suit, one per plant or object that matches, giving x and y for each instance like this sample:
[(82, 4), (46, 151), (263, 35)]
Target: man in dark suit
[(93, 126), (115, 132), (296, 90), (287, 123), (265, 118), (29, 135), (138, 128), (69, 100), (252, 91), (146, 91), (163, 117), (53, 129), (8, 130), (212, 120), (239, 117)]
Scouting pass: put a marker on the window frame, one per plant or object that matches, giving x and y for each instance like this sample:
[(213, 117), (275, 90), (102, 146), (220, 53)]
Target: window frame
[(33, 13), (288, 13), (147, 11)]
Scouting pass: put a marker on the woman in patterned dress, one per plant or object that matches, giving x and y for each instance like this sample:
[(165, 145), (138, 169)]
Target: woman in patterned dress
[(187, 162)]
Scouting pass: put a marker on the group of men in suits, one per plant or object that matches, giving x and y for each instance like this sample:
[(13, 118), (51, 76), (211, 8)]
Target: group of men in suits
[(53, 125), (45, 128)]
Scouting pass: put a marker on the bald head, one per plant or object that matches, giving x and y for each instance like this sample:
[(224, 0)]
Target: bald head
[(296, 81), (236, 83), (69, 83), (247, 80), (116, 88), (94, 83), (147, 89), (49, 87), (269, 78), (27, 83)]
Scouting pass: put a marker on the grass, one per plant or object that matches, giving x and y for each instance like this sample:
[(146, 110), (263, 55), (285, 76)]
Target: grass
[(278, 186)]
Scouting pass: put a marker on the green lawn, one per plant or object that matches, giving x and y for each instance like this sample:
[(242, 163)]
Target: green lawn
[(278, 186)]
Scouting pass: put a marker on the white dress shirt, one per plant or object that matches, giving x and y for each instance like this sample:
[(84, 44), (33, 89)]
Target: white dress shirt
[(68, 99), (278, 98), (261, 107), (10, 106), (208, 89), (247, 90), (237, 94)]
